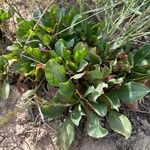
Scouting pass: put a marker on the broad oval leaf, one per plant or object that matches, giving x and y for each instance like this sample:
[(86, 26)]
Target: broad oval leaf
[(34, 52), (93, 93), (94, 128), (80, 51), (76, 115), (60, 47), (111, 101), (65, 134), (81, 46), (80, 54), (52, 110), (95, 74), (100, 108), (120, 123), (55, 73), (82, 65), (63, 99), (67, 88), (25, 28), (132, 92)]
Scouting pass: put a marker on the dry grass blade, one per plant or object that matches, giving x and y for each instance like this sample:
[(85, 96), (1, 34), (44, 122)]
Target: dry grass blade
[(6, 118)]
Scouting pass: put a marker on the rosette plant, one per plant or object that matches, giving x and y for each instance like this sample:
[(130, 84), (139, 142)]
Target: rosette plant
[(5, 88), (67, 50)]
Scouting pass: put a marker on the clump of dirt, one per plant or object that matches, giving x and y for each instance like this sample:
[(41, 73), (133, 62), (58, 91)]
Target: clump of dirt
[(26, 131)]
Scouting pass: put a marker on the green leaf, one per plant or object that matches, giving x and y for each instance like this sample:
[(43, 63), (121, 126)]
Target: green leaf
[(67, 88), (65, 134), (93, 93), (96, 74), (132, 92), (141, 66), (3, 64), (112, 101), (4, 90), (61, 50), (142, 56), (14, 46), (120, 123), (60, 47), (60, 14), (106, 72), (93, 40), (47, 39), (94, 128), (76, 115), (4, 15), (78, 76), (75, 19), (66, 54), (116, 81), (140, 76), (96, 29), (80, 54), (80, 51), (70, 43), (52, 110), (53, 16), (55, 73), (24, 66), (71, 12), (15, 51), (80, 46), (63, 99), (131, 59), (34, 52), (71, 66), (93, 57), (24, 28), (100, 108), (115, 102), (82, 65)]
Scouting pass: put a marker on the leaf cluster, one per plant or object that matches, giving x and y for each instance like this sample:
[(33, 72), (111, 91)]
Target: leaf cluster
[(93, 80)]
